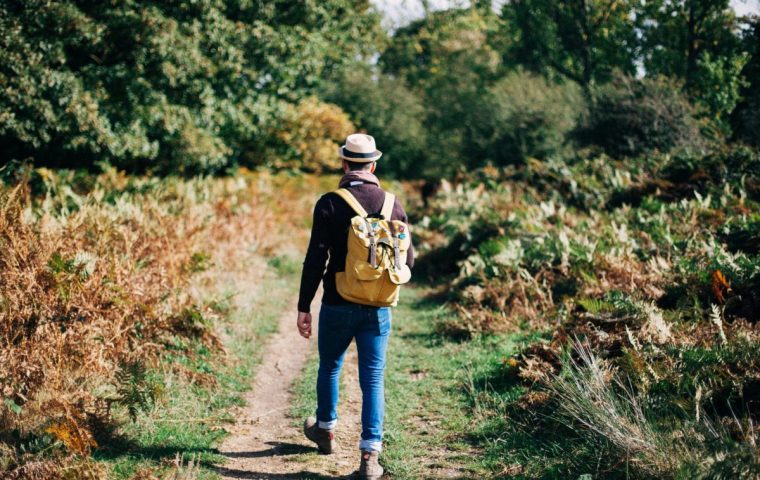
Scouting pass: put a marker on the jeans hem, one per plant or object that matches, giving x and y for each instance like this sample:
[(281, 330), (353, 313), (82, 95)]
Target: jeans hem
[(327, 425), (371, 445)]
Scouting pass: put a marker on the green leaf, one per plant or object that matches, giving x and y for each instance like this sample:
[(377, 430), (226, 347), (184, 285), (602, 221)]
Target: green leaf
[(13, 406)]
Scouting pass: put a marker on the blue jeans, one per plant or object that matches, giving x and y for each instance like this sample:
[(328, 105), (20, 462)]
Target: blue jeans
[(370, 326)]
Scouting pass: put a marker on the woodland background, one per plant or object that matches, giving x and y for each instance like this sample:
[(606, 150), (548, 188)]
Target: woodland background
[(582, 177)]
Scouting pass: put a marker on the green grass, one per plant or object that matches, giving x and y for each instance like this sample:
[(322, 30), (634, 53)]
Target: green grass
[(305, 392), (190, 415), (440, 393)]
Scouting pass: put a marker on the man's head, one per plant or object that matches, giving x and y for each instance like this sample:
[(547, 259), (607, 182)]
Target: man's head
[(359, 153)]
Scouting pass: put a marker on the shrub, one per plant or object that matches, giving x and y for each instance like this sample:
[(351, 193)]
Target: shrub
[(631, 117), (524, 115), (310, 136), (736, 165), (748, 129)]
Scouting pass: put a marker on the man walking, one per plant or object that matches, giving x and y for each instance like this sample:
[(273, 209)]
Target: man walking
[(336, 217)]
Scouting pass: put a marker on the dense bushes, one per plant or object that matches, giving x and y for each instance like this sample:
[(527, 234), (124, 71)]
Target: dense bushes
[(164, 86), (631, 117), (649, 308), (523, 115)]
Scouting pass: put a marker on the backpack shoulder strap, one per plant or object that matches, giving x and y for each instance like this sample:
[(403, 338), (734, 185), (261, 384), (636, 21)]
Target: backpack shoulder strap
[(351, 201), (387, 210)]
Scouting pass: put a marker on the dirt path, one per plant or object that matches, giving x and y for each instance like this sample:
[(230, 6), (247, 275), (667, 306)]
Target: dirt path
[(265, 443)]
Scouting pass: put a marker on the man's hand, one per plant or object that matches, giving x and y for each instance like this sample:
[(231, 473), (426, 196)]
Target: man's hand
[(304, 324)]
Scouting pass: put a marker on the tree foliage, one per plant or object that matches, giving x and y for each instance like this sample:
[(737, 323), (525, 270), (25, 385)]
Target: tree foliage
[(195, 87), (448, 59), (695, 41), (524, 115), (426, 50), (746, 117), (384, 107), (167, 86), (309, 135), (678, 33), (583, 40)]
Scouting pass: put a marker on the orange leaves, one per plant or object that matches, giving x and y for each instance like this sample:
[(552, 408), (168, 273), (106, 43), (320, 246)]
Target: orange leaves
[(314, 130), (85, 289), (720, 286), (77, 439)]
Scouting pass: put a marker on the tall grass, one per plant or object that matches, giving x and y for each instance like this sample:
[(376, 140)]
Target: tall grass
[(595, 402)]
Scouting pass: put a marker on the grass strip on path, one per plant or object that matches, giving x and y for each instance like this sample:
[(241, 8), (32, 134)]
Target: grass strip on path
[(433, 391)]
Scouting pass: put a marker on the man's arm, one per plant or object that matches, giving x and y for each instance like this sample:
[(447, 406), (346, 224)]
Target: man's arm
[(316, 257)]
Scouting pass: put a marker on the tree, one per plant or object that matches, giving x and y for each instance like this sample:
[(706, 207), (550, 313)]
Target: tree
[(169, 86), (447, 58), (582, 40), (427, 49), (746, 116), (524, 115), (695, 41), (676, 34), (387, 109)]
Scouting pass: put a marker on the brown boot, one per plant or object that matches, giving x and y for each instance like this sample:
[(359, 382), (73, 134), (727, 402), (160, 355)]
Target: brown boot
[(325, 439), (370, 468)]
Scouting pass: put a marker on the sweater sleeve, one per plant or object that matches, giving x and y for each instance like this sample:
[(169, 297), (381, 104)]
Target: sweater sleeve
[(316, 256), (400, 214)]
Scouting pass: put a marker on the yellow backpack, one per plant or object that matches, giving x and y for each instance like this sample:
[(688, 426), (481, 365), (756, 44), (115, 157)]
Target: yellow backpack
[(376, 258)]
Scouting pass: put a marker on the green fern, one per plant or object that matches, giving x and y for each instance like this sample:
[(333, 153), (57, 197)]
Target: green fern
[(36, 444), (613, 303), (136, 392), (595, 306)]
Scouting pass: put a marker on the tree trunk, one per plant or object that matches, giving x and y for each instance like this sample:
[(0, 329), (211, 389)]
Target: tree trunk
[(691, 44)]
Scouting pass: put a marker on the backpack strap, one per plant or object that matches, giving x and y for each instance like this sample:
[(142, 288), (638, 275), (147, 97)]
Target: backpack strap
[(387, 210), (351, 201)]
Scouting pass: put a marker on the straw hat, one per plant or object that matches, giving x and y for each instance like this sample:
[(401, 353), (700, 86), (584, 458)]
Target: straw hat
[(359, 148)]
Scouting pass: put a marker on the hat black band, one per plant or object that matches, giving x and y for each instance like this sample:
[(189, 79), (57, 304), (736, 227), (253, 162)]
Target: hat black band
[(350, 154)]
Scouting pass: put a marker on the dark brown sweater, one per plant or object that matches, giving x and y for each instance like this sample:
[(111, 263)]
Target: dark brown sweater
[(329, 235)]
